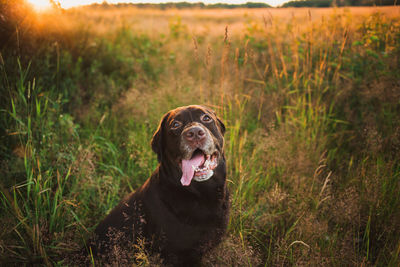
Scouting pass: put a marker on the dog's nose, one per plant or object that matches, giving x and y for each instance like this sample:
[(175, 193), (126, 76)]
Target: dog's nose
[(194, 133)]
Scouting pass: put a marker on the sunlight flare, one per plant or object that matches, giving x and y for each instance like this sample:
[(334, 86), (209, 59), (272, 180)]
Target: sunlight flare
[(40, 5)]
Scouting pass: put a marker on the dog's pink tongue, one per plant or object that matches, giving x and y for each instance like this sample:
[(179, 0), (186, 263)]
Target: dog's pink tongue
[(188, 169)]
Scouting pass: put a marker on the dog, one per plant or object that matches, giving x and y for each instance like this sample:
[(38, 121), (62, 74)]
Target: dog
[(182, 210)]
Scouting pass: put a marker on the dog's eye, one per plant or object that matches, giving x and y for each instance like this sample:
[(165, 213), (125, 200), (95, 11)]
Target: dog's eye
[(176, 124), (206, 118)]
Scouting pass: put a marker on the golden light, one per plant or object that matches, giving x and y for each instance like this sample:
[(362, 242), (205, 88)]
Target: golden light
[(40, 5), (46, 4)]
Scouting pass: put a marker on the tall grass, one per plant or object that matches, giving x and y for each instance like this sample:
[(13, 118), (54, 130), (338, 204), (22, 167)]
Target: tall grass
[(310, 101)]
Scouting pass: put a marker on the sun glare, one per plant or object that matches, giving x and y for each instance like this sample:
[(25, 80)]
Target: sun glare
[(40, 5)]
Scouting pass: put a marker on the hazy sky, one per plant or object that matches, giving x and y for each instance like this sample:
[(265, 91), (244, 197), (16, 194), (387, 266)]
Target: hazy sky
[(70, 3)]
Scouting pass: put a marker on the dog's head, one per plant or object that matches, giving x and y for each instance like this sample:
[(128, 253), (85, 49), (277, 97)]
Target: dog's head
[(191, 138)]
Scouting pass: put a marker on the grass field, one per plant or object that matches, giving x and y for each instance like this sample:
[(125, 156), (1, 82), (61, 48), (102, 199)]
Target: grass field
[(310, 98)]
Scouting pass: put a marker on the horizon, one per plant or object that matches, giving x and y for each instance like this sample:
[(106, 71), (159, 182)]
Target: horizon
[(45, 4)]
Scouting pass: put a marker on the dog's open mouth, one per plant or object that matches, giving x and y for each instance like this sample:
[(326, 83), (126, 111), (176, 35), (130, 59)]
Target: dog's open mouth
[(199, 167)]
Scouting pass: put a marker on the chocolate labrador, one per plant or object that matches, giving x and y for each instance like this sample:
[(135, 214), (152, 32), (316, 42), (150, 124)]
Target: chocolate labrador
[(182, 210)]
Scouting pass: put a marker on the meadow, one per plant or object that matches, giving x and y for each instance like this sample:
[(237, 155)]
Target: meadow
[(310, 98)]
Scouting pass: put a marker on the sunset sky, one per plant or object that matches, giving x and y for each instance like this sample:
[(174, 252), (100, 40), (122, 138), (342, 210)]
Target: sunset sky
[(42, 4)]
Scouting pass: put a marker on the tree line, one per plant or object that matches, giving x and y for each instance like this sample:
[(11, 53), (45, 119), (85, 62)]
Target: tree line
[(330, 3), (295, 3), (182, 5)]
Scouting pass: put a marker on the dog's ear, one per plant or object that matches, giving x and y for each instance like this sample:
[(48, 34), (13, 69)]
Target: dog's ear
[(221, 125), (157, 143)]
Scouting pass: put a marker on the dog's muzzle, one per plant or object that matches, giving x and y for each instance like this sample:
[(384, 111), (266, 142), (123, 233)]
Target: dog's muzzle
[(199, 154)]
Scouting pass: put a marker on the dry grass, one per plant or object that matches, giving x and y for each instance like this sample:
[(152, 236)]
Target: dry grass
[(206, 23)]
